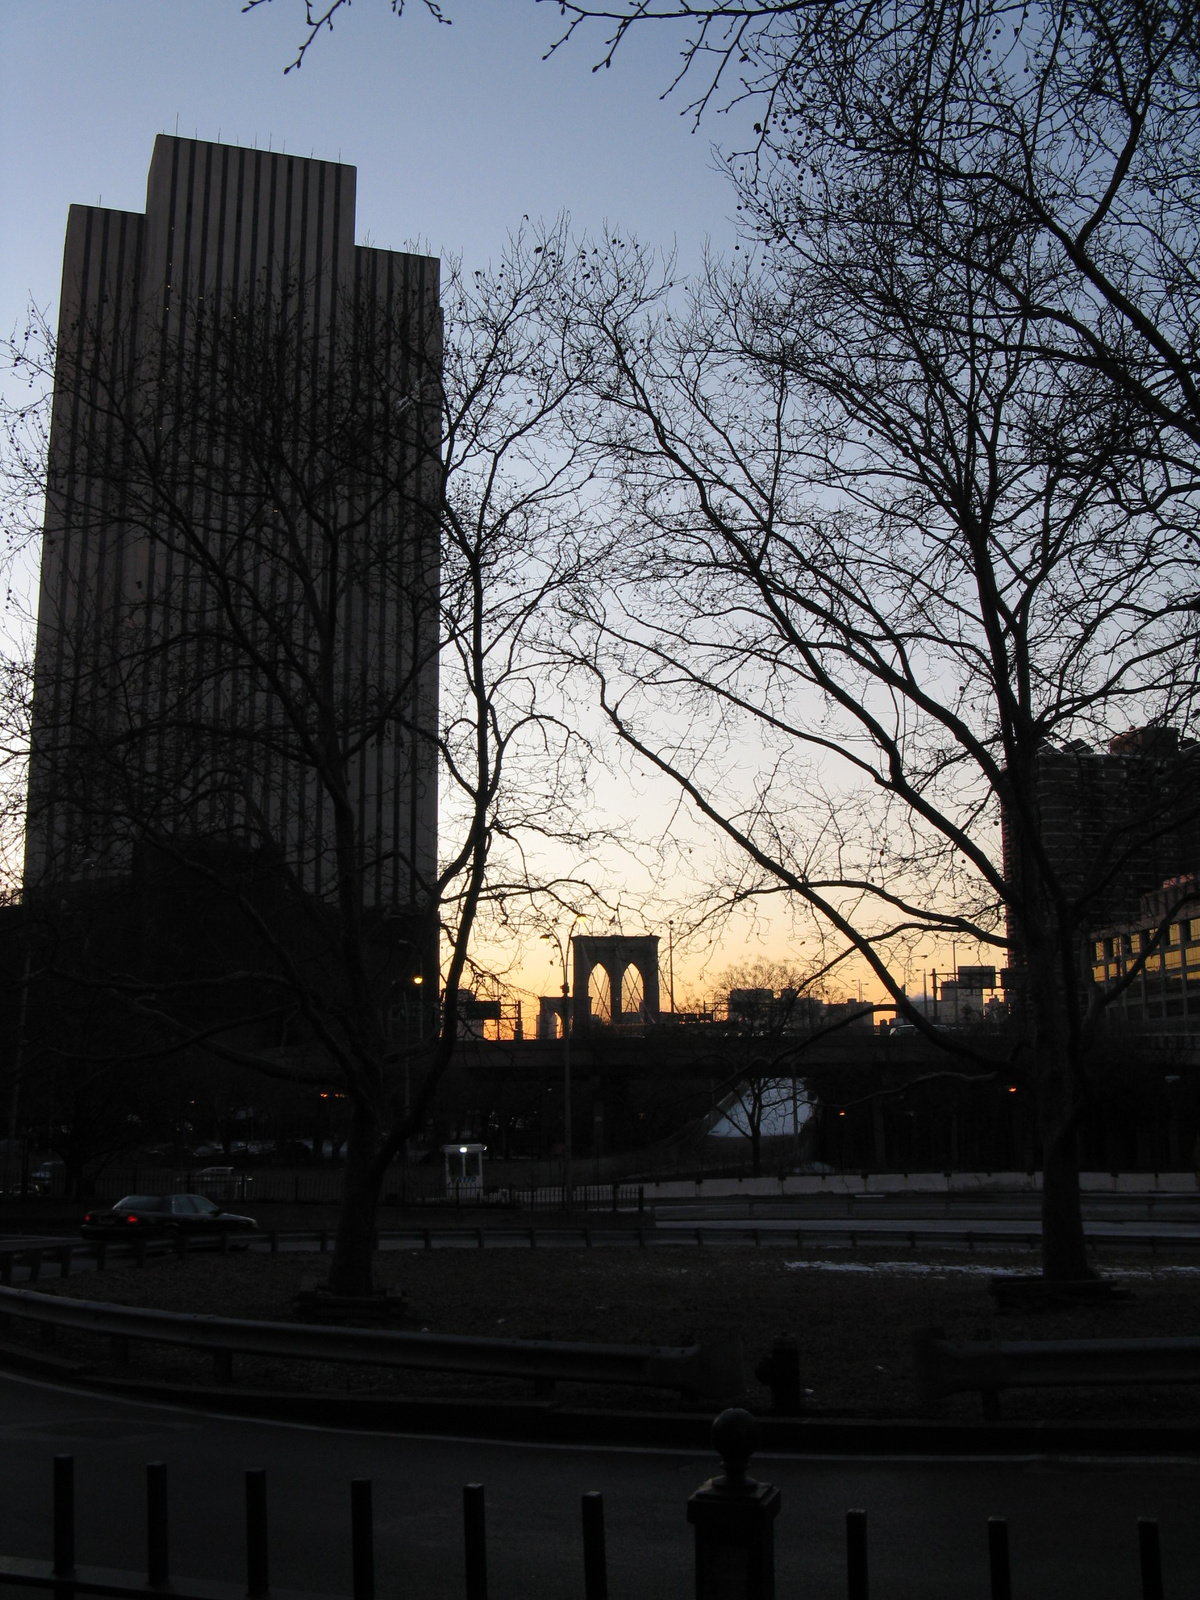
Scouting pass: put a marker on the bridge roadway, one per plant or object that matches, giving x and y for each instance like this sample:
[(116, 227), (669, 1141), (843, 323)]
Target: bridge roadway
[(1072, 1522)]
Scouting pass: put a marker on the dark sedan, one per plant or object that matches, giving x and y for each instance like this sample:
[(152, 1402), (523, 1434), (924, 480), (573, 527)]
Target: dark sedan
[(165, 1216)]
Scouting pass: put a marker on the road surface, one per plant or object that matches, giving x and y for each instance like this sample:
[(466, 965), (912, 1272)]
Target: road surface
[(1072, 1523)]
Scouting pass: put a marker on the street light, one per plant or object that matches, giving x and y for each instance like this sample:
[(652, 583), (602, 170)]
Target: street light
[(563, 954)]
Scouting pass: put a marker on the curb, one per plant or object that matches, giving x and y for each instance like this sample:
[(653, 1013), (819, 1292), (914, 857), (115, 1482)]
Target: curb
[(541, 1422)]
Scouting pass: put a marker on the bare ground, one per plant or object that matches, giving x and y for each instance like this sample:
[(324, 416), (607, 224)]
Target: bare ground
[(852, 1314)]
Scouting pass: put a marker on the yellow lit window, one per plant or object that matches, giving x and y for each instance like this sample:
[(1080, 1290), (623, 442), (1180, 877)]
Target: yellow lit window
[(1135, 944), (1173, 960)]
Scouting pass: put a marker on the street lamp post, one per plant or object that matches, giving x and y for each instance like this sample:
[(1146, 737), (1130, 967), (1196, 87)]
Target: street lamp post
[(568, 1195), (563, 955)]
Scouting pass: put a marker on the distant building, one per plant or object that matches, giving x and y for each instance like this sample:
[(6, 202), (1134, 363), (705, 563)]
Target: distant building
[(137, 665), (1115, 824), (763, 1011), (967, 998), (1164, 998)]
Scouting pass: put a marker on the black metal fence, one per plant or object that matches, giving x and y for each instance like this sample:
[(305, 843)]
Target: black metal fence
[(733, 1517), (315, 1186)]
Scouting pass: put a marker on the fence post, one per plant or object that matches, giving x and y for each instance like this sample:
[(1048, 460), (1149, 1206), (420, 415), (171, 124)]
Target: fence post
[(998, 1558), (475, 1541), (64, 1515), (595, 1564), (257, 1573), (856, 1555), (362, 1539), (780, 1371), (734, 1519), (1151, 1559), (157, 1564)]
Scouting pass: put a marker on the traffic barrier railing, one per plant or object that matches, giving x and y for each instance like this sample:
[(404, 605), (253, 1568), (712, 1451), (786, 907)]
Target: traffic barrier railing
[(944, 1369), (712, 1371)]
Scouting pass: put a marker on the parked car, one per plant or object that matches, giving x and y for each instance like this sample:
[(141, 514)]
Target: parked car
[(165, 1216)]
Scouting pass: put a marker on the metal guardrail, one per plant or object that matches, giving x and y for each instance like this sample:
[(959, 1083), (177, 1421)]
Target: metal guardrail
[(811, 1234), (710, 1372), (930, 1231), (944, 1369)]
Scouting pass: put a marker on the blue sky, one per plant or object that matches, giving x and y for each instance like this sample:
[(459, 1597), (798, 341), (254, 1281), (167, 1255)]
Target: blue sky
[(456, 131)]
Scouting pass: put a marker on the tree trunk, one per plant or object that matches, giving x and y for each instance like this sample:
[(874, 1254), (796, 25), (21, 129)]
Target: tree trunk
[(755, 1120), (1064, 1251), (354, 1246), (1056, 1041)]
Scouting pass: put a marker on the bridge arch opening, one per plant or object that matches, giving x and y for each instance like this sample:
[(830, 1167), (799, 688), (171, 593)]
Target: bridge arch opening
[(633, 992), (600, 995)]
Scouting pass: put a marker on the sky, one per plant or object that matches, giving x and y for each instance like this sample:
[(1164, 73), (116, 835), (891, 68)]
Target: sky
[(457, 132)]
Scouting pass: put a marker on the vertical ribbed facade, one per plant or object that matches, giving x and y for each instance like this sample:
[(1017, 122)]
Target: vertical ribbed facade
[(237, 624)]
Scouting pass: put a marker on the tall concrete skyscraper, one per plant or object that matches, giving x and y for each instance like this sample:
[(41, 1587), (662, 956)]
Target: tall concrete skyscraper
[(237, 626)]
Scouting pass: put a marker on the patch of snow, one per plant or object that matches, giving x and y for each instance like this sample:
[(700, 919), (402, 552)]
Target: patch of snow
[(953, 1269)]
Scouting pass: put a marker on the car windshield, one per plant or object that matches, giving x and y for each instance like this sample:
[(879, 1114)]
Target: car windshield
[(140, 1202)]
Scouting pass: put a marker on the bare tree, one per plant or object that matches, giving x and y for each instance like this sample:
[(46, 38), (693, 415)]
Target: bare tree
[(873, 535), (911, 492), (911, 497), (255, 738)]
